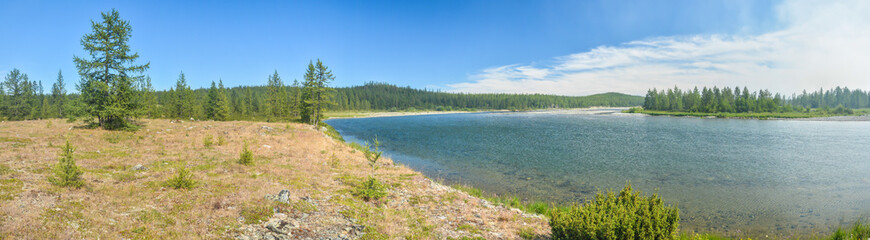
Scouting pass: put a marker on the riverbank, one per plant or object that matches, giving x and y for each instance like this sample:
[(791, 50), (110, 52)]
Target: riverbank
[(299, 186), (351, 114), (588, 110)]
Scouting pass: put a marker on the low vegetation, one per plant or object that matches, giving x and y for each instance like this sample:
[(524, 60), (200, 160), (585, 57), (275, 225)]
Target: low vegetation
[(626, 215), (183, 179), (66, 172)]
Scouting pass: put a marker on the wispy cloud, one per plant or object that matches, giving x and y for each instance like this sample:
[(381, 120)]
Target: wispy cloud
[(824, 44)]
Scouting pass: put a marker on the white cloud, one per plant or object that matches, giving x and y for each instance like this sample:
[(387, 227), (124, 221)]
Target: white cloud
[(824, 44)]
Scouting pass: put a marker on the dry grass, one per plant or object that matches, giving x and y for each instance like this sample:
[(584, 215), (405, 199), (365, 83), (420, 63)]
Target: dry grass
[(118, 202)]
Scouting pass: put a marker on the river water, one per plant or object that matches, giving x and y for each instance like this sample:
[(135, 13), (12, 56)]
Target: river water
[(740, 178)]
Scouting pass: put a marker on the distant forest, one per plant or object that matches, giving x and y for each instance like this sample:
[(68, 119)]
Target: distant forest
[(22, 99), (736, 100)]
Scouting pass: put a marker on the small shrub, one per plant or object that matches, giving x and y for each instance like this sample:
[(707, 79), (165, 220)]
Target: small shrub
[(371, 189), (628, 215), (182, 179), (246, 157), (373, 153), (207, 141), (858, 231), (221, 140), (66, 173)]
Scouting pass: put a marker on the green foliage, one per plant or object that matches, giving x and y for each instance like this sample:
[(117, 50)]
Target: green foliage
[(182, 99), (66, 172), (221, 140), (22, 96), (727, 100), (108, 76), (316, 93), (183, 179), (246, 157), (373, 153), (207, 141), (858, 231), (629, 215), (371, 189)]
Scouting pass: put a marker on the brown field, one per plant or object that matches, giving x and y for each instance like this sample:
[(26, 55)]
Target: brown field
[(320, 172)]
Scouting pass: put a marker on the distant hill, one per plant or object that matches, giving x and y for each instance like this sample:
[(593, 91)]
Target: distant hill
[(383, 96)]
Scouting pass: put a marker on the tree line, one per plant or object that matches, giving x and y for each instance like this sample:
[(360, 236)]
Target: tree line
[(736, 100), (113, 89)]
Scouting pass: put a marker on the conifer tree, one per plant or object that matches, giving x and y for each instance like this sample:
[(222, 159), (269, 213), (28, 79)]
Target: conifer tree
[(149, 98), (184, 98), (58, 95), (108, 75), (19, 102), (275, 96), (317, 94), (66, 172), (211, 103), (222, 104)]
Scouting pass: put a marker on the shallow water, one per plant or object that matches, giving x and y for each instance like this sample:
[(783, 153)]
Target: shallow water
[(728, 176)]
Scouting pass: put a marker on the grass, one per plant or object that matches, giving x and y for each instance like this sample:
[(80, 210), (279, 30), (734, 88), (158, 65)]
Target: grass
[(121, 203)]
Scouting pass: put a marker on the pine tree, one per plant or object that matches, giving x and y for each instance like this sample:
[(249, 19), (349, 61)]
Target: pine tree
[(149, 98), (275, 96), (222, 105), (109, 74), (317, 94), (184, 98), (211, 104), (66, 172), (19, 102), (58, 95)]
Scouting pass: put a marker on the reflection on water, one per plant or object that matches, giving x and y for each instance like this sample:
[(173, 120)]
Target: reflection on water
[(733, 177)]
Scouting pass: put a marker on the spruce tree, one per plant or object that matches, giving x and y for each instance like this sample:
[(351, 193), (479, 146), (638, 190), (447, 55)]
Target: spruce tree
[(58, 95), (211, 103), (275, 96), (108, 75), (222, 104), (317, 94), (19, 101), (184, 98), (149, 98), (66, 172)]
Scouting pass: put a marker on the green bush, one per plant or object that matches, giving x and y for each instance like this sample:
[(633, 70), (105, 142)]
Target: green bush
[(221, 140), (246, 157), (371, 189), (628, 215), (66, 173), (182, 179), (207, 141)]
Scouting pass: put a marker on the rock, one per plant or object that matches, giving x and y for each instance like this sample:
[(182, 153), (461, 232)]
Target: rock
[(283, 196), (267, 128), (139, 167), (323, 129), (267, 146)]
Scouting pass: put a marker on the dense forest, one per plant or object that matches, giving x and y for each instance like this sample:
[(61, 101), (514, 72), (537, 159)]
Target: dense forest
[(275, 100), (736, 100)]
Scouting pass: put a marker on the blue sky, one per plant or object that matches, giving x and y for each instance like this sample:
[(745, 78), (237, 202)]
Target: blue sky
[(467, 46)]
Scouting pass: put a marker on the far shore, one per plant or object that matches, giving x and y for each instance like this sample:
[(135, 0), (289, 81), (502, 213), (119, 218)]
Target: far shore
[(587, 110)]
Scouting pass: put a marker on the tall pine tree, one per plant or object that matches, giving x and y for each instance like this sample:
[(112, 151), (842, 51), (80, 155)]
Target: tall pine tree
[(108, 75), (58, 95), (184, 98), (317, 94)]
